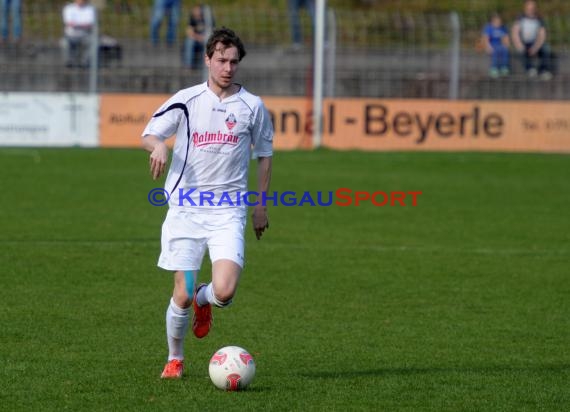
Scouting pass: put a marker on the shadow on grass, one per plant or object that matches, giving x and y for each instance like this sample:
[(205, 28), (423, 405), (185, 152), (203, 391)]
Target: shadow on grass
[(403, 371)]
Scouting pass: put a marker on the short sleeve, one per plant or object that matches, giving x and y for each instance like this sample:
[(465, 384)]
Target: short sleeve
[(262, 133), (164, 121), (92, 16)]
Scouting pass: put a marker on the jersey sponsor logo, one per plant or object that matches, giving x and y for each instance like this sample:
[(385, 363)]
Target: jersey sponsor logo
[(209, 138), (231, 121)]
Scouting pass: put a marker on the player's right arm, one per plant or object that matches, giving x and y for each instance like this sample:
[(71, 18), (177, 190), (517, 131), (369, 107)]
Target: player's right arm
[(161, 126), (158, 154)]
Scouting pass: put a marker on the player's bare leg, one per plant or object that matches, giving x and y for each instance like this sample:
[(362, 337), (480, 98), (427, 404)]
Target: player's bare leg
[(225, 278), (220, 292), (177, 320)]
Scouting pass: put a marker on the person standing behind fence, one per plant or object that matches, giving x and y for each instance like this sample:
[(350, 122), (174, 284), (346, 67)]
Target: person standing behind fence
[(529, 38), (79, 18), (11, 10), (171, 8), (295, 7), (194, 43), (496, 42)]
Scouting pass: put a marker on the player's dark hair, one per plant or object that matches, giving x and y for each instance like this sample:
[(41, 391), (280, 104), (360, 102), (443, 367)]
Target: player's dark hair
[(228, 38)]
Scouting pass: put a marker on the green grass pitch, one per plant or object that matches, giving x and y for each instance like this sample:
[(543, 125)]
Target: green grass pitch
[(461, 303)]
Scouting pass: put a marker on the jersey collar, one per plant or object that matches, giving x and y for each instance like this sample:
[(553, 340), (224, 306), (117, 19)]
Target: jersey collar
[(227, 99)]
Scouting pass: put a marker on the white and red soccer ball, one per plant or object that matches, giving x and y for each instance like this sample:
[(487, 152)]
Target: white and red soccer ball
[(232, 368)]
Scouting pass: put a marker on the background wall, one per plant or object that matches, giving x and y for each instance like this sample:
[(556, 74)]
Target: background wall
[(117, 120)]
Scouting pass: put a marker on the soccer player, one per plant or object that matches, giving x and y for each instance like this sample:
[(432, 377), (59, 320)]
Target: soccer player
[(218, 126)]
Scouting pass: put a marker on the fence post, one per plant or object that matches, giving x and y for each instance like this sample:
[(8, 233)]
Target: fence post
[(318, 73), (455, 56), (94, 52), (331, 52), (209, 23)]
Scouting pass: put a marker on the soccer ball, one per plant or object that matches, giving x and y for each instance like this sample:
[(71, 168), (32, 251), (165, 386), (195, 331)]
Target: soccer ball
[(232, 368)]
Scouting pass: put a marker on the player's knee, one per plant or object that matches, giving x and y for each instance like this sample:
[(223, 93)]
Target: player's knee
[(223, 297), (181, 297)]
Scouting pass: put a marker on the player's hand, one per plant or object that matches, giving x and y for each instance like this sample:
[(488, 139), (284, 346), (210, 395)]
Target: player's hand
[(260, 220), (158, 159)]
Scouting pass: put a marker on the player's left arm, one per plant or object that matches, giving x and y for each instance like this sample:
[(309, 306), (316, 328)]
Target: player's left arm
[(259, 217), (262, 138)]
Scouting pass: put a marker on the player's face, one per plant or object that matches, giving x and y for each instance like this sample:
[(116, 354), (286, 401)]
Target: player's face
[(223, 65)]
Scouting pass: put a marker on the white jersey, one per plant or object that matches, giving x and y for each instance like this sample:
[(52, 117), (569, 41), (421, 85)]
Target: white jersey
[(82, 16), (214, 141)]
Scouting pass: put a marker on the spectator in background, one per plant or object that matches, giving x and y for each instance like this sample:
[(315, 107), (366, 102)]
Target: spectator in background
[(171, 8), (194, 44), (496, 43), (295, 7), (11, 10), (529, 38), (79, 18)]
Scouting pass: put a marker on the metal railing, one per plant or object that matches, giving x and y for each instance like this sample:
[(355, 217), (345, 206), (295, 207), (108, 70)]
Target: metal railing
[(368, 53)]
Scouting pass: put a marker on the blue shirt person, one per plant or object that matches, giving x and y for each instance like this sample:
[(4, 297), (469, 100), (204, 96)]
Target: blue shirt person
[(496, 41)]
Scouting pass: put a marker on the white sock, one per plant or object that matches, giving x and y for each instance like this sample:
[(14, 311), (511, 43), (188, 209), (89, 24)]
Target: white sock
[(205, 295), (176, 328)]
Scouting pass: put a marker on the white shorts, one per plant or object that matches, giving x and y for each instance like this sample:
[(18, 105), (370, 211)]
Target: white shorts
[(186, 234)]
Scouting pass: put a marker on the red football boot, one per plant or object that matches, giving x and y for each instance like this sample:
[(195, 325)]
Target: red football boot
[(202, 318), (173, 369)]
